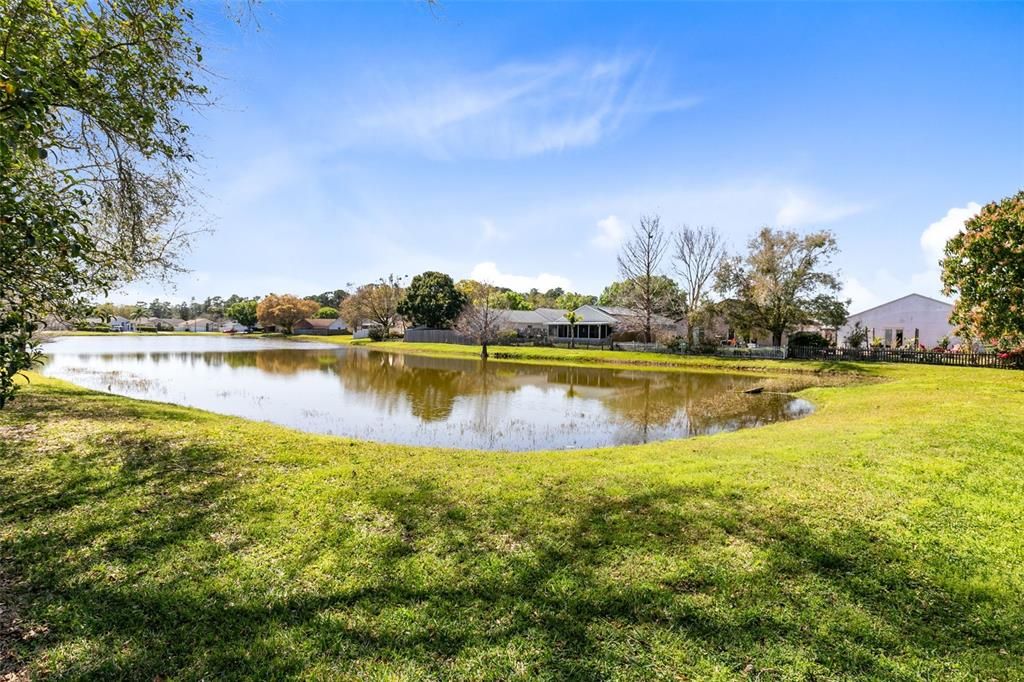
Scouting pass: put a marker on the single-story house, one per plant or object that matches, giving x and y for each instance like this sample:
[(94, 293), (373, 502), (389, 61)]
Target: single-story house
[(527, 323), (322, 327), (902, 320), (200, 324), (161, 324), (601, 323), (232, 327)]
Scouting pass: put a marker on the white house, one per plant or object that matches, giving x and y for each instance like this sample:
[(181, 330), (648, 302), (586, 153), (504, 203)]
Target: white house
[(200, 324), (121, 324), (232, 327), (900, 321)]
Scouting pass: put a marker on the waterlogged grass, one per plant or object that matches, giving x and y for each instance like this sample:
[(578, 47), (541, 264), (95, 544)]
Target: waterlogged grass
[(878, 538)]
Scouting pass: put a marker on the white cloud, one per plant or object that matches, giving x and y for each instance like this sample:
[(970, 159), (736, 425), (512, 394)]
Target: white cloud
[(861, 297), (490, 231), (803, 208), (610, 233), (512, 110), (935, 236), (927, 281), (488, 272)]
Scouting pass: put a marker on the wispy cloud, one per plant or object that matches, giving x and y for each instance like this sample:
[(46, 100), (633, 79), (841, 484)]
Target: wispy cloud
[(490, 232), (489, 272), (512, 110), (610, 233), (800, 207)]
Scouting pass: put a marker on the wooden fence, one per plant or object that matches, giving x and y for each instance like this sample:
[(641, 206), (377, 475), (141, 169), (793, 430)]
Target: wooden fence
[(957, 358), (435, 336)]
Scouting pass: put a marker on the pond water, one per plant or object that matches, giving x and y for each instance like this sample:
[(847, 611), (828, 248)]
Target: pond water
[(389, 397)]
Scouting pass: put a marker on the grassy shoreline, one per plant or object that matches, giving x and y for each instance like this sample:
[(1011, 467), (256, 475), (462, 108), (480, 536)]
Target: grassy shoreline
[(877, 538)]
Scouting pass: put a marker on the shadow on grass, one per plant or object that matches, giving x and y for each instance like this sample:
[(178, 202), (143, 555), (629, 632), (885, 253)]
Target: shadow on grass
[(144, 559)]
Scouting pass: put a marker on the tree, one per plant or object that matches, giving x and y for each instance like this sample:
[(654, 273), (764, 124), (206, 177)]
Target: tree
[(244, 313), (377, 302), (511, 300), (572, 300), (639, 264), (984, 266), (284, 311), (326, 313), (431, 300), (573, 319), (330, 299), (94, 155), (480, 320), (698, 255), (783, 281)]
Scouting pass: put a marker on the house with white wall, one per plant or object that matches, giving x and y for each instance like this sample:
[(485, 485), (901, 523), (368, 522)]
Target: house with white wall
[(900, 321)]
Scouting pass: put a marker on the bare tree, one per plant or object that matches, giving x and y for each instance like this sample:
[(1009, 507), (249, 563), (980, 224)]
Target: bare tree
[(639, 264), (479, 320), (698, 256)]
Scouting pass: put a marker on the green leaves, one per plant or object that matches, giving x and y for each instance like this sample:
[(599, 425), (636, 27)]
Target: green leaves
[(94, 154), (984, 264)]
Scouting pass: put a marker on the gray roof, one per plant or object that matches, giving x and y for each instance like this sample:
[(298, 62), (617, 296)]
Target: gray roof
[(522, 317), (607, 314), (550, 314)]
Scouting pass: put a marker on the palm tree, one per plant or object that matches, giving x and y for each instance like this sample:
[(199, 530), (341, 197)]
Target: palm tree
[(573, 319)]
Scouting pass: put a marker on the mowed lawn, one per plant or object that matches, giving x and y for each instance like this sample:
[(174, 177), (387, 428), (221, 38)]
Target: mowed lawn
[(881, 537)]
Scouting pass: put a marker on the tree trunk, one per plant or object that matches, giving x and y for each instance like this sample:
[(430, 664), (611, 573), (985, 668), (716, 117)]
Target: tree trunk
[(483, 350), (776, 339)]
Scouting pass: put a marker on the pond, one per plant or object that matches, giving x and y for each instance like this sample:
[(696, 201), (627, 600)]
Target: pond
[(396, 398)]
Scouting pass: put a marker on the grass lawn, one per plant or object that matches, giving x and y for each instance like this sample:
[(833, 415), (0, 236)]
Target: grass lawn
[(879, 538)]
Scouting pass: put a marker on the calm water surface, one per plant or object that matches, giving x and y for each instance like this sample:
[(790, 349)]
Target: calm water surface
[(463, 403)]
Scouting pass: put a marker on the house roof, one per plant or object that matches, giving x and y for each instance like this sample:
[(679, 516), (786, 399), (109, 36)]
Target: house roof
[(606, 314), (882, 305), (550, 314), (317, 323), (522, 317)]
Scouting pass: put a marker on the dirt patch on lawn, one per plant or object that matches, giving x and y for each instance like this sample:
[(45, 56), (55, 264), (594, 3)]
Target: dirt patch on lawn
[(13, 632)]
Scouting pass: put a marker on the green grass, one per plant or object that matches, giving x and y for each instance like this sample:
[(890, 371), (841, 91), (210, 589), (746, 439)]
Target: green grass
[(878, 538)]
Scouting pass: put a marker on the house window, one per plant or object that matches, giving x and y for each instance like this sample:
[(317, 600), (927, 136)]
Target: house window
[(899, 337), (888, 338)]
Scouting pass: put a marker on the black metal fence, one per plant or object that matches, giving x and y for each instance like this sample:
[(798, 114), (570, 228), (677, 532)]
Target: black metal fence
[(957, 358)]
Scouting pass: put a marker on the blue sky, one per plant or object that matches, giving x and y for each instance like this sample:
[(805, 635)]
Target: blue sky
[(518, 142)]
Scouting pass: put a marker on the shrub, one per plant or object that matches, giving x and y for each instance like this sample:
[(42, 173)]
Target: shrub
[(808, 340), (377, 333), (858, 336)]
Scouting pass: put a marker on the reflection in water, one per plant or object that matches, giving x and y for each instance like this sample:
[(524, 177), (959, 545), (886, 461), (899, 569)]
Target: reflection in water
[(414, 399)]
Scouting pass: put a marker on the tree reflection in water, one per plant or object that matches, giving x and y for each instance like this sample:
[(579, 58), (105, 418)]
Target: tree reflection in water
[(459, 402)]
